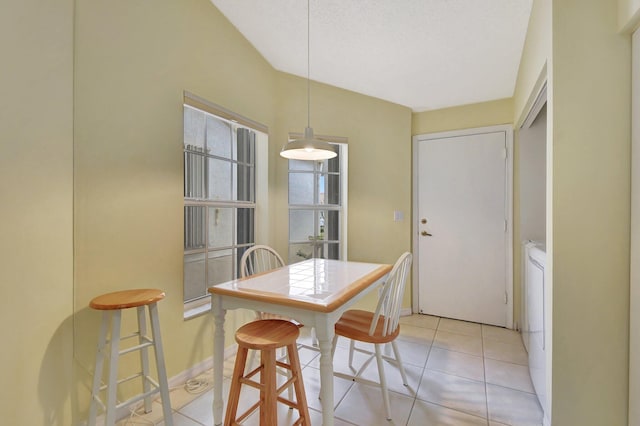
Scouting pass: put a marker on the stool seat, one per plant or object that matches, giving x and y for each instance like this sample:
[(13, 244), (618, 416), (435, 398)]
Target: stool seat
[(127, 299), (267, 334)]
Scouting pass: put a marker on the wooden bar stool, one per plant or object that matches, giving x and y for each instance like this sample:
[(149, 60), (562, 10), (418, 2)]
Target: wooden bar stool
[(112, 305), (267, 336)]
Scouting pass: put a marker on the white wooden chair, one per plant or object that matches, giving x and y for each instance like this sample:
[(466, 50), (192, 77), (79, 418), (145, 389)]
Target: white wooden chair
[(256, 260), (379, 327), (259, 258)]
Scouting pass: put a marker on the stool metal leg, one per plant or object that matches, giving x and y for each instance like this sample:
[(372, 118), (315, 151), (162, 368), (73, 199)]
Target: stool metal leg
[(112, 385), (97, 374), (162, 372), (144, 357)]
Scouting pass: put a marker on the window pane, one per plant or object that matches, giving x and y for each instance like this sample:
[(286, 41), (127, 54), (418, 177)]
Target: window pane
[(218, 137), (194, 229), (300, 252), (193, 175), (333, 190), (245, 226), (245, 189), (220, 227), (301, 165), (220, 266), (301, 225), (333, 251), (332, 225), (301, 188), (239, 252), (194, 276), (320, 232), (246, 146), (219, 179), (322, 190), (194, 129), (333, 164)]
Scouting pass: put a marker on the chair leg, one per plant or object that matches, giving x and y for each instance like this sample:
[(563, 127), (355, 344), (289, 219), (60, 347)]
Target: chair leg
[(352, 348), (112, 386), (144, 357), (289, 373), (383, 381), (234, 392), (333, 345), (399, 362), (301, 397), (268, 393), (252, 358), (160, 366)]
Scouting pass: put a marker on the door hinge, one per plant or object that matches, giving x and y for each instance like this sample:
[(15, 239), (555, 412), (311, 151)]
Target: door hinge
[(506, 297), (506, 225)]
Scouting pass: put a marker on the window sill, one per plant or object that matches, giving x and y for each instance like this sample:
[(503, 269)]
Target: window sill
[(197, 308)]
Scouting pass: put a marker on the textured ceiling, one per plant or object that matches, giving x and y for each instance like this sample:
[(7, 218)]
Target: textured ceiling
[(423, 54)]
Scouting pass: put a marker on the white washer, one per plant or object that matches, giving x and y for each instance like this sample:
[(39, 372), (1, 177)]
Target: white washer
[(535, 313)]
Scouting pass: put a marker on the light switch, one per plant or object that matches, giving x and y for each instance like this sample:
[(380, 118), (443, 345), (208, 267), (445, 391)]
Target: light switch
[(398, 216)]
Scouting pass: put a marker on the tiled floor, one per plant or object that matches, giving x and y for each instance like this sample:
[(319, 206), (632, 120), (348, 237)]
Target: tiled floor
[(459, 374)]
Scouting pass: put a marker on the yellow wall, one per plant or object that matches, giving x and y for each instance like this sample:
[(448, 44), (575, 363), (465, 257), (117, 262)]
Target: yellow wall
[(36, 145), (379, 158), (133, 61), (591, 99), (463, 117)]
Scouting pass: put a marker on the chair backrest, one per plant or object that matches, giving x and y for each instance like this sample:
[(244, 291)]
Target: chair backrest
[(390, 300), (259, 258)]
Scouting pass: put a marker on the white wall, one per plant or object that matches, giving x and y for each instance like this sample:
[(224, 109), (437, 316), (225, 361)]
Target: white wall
[(532, 160)]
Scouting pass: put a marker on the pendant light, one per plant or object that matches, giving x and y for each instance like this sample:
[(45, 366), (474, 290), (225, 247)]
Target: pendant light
[(308, 147)]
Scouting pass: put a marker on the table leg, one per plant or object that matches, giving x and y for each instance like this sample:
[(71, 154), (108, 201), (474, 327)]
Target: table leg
[(218, 359), (325, 332)]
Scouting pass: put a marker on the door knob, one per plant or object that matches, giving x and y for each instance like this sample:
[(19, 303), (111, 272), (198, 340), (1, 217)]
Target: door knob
[(426, 234)]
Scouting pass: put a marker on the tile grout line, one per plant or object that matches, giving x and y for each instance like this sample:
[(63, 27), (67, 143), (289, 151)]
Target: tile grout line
[(424, 370), (484, 373)]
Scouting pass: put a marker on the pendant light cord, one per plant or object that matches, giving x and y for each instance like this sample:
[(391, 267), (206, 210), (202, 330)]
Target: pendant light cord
[(308, 66)]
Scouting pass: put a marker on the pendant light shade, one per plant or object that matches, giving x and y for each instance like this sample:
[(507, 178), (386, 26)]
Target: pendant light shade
[(308, 148)]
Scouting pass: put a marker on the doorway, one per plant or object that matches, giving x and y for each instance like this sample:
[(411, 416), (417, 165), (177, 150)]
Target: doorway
[(463, 225)]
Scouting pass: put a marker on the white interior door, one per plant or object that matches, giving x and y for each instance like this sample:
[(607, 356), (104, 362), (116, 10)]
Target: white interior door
[(462, 190)]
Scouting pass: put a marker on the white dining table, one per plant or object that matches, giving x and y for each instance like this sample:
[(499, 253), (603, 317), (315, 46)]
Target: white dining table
[(315, 292)]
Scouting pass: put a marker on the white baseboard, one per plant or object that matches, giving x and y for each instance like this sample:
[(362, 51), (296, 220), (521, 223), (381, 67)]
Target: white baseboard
[(405, 312), (199, 368), (175, 381)]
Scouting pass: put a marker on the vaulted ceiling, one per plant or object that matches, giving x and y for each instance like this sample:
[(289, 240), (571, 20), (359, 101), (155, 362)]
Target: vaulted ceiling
[(423, 54)]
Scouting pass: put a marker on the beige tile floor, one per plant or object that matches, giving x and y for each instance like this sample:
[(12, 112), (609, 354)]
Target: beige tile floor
[(459, 374)]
